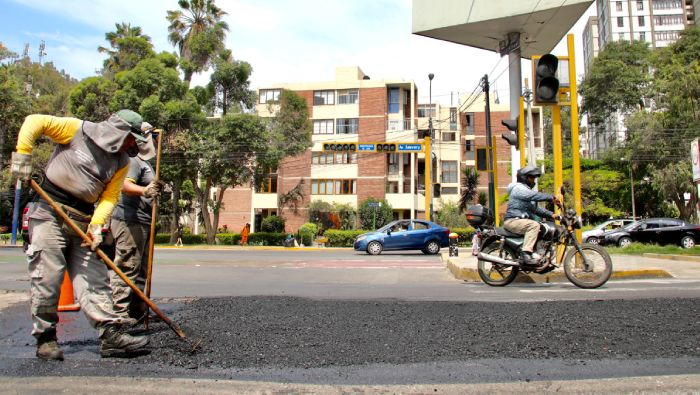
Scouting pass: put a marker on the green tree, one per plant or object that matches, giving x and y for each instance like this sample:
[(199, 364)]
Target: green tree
[(198, 32), (14, 106), (450, 215), (374, 217), (230, 85), (128, 47), (470, 184), (90, 99), (617, 81)]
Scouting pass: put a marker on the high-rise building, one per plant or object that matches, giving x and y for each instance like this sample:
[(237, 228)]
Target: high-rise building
[(657, 22)]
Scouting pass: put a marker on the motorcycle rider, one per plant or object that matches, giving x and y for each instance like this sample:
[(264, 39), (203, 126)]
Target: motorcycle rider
[(522, 208)]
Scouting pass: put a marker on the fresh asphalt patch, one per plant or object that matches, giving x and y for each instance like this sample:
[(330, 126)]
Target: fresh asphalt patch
[(289, 332)]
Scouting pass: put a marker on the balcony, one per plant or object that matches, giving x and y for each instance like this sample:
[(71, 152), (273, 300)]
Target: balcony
[(398, 125)]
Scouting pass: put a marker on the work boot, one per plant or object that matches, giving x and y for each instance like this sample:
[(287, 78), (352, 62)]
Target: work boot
[(527, 259), (118, 344), (47, 347)]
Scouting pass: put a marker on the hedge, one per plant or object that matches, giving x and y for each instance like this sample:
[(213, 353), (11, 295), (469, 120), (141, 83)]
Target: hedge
[(342, 238), (258, 238), (465, 235), (267, 239)]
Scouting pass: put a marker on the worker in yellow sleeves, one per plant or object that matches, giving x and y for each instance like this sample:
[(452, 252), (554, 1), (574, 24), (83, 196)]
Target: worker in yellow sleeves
[(84, 175)]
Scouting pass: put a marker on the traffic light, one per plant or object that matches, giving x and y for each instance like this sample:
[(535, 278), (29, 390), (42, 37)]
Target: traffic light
[(436, 190), (339, 147), (385, 147), (512, 137), (546, 84), (482, 159)]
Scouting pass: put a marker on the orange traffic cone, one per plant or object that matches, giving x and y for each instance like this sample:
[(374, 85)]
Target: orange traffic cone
[(65, 300)]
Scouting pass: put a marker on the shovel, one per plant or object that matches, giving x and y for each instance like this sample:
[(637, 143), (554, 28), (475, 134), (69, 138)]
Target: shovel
[(114, 267), (152, 234)]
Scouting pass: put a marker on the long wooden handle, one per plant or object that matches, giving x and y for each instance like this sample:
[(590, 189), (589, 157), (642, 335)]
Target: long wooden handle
[(106, 259), (152, 234)]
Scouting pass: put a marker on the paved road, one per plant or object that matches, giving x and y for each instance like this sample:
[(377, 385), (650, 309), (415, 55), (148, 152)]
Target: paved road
[(397, 323)]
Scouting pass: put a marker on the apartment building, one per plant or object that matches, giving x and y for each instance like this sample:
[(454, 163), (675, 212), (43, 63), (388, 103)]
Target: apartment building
[(357, 109), (658, 22)]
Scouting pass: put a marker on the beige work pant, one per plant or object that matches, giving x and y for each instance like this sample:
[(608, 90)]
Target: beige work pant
[(53, 251), (131, 256), (527, 227)]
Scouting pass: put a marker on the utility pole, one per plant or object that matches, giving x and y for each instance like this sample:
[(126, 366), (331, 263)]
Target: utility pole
[(42, 47), (491, 166), (429, 151), (530, 132)]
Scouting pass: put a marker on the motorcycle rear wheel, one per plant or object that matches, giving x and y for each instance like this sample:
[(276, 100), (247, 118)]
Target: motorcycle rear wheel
[(599, 270), (494, 274)]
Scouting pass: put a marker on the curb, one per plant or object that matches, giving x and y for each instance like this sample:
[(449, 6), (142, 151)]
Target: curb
[(461, 272), (685, 258), (250, 248)]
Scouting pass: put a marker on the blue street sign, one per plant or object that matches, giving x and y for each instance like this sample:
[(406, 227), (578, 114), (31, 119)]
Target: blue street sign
[(411, 147), (365, 147), (374, 204)]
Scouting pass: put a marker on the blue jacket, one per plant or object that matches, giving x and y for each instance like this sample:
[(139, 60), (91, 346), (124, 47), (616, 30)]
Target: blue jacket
[(522, 202)]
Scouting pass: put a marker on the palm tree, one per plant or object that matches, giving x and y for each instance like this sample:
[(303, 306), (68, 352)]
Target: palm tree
[(129, 45), (198, 32), (470, 182)]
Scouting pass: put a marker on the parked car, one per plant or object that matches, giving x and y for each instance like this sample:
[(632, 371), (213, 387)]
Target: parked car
[(655, 230), (404, 234), (593, 236)]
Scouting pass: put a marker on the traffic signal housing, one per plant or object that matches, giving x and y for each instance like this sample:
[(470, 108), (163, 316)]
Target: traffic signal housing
[(385, 147), (513, 137), (546, 83), (339, 147)]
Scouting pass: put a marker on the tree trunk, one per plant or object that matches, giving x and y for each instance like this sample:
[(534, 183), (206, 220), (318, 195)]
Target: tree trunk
[(176, 212), (203, 199)]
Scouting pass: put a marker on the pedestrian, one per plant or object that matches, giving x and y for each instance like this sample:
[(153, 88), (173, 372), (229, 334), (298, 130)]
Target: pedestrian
[(130, 228), (178, 243), (84, 176)]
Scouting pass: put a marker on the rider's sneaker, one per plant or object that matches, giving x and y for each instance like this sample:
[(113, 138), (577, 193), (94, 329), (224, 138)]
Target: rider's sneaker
[(527, 259)]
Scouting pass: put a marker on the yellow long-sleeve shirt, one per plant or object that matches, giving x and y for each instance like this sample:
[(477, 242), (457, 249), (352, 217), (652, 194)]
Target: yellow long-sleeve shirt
[(61, 130)]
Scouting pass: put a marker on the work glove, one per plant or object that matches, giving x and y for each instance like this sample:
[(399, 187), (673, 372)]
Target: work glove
[(153, 189), (94, 233), (21, 167)]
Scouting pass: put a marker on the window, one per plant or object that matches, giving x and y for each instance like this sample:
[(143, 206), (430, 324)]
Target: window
[(469, 145), (449, 136), (393, 163), (449, 171), (269, 95), (642, 36), (426, 110), (269, 183), (392, 187), (640, 20), (347, 126), (323, 126), (640, 6), (469, 123), (618, 6), (417, 225), (349, 96), (330, 158), (453, 118), (394, 100), (620, 21), (449, 190), (333, 187), (324, 98)]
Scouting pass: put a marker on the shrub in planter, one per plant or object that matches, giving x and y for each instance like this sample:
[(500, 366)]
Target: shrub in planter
[(307, 232), (229, 238), (266, 239), (272, 224), (342, 238)]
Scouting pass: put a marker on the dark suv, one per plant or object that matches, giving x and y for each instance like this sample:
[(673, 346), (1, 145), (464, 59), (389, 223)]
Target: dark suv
[(655, 230)]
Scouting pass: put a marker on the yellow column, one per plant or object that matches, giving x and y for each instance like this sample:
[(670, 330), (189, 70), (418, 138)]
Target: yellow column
[(557, 148), (575, 155), (428, 183), (494, 169)]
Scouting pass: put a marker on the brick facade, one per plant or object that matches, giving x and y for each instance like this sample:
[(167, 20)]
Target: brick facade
[(235, 212), (292, 172)]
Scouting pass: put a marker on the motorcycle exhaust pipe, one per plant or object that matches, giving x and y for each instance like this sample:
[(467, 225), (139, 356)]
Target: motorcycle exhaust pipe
[(495, 259)]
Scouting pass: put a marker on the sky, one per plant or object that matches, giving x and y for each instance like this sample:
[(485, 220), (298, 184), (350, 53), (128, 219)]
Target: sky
[(285, 41)]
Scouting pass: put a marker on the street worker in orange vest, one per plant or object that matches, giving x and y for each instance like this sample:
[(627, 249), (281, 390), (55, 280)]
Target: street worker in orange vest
[(84, 175), (131, 227)]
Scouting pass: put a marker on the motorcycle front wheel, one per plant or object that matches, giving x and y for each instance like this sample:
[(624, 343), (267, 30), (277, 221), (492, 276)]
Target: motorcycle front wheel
[(495, 274), (599, 266)]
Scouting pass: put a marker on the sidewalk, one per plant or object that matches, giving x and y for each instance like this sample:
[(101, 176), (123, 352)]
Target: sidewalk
[(625, 267)]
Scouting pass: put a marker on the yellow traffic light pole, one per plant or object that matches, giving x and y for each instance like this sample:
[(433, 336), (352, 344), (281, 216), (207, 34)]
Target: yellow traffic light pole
[(521, 132), (493, 164), (575, 154), (428, 183)]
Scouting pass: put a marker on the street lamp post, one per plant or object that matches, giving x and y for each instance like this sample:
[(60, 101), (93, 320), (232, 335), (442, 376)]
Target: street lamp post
[(429, 155)]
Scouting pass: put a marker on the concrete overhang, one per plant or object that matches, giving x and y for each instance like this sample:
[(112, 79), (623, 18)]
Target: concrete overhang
[(484, 23)]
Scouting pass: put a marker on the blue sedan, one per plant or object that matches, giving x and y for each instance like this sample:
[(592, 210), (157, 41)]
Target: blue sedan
[(405, 234)]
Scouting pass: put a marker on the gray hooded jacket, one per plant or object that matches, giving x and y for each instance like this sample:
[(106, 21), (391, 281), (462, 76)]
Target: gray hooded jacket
[(522, 202)]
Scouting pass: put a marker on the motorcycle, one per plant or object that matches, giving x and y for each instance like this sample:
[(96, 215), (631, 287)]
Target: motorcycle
[(585, 265)]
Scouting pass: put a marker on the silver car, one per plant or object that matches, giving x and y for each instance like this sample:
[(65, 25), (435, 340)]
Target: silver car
[(594, 235)]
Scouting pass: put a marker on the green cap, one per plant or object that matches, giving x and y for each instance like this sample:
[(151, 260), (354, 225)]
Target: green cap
[(134, 120)]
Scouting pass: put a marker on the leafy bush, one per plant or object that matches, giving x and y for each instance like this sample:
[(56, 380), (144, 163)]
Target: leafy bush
[(307, 232), (465, 235), (229, 238), (450, 216), (383, 215), (342, 238), (273, 224), (266, 239)]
